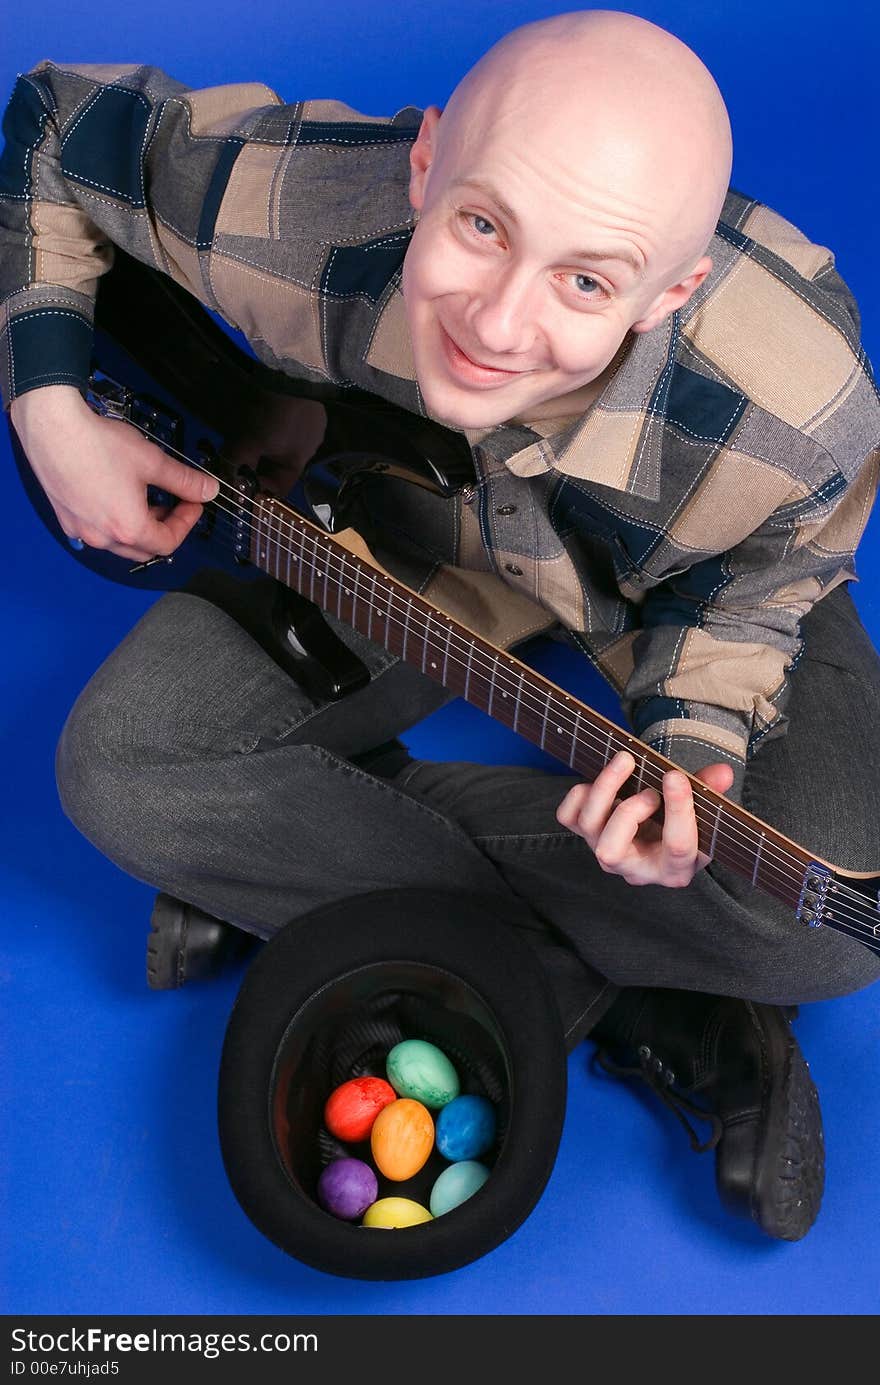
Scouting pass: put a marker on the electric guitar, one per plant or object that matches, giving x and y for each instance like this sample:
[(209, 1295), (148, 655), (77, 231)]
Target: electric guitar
[(162, 364)]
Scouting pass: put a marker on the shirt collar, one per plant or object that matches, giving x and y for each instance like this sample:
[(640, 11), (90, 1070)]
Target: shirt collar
[(617, 441)]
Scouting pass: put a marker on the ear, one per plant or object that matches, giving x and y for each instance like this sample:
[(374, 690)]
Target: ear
[(673, 298), (421, 156)]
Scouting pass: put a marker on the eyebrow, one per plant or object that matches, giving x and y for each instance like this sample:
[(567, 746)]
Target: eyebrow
[(624, 256)]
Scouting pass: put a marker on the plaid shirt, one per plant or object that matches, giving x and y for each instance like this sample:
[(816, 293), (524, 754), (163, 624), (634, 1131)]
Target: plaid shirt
[(676, 532)]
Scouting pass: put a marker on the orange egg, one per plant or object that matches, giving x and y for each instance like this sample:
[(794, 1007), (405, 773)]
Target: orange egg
[(402, 1138)]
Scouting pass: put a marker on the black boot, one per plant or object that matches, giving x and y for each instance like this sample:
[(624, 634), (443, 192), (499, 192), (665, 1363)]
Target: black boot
[(736, 1065), (186, 944)]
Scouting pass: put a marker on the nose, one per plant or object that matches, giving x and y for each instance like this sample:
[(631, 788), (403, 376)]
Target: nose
[(503, 316)]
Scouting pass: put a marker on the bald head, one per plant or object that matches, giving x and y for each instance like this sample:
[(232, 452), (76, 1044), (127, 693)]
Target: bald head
[(617, 97), (567, 196)]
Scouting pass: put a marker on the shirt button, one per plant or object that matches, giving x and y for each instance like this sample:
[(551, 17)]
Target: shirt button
[(506, 510), (512, 567)]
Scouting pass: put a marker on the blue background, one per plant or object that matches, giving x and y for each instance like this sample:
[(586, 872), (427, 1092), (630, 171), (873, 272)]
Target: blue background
[(114, 1194)]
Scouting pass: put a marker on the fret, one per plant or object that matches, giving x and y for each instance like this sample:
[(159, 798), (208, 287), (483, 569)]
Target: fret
[(546, 715), (312, 571), (406, 627), (758, 857), (371, 604), (467, 672), (354, 594), (715, 828), (446, 653), (277, 519), (291, 558), (574, 740), (492, 686), (425, 644), (516, 711), (608, 746), (340, 588)]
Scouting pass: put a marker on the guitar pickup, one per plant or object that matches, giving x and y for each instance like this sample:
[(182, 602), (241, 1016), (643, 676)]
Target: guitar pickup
[(158, 423)]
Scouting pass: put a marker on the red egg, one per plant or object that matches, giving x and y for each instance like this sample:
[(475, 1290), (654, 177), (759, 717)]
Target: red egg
[(351, 1109)]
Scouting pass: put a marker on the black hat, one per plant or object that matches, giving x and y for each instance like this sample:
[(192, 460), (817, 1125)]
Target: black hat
[(324, 1001)]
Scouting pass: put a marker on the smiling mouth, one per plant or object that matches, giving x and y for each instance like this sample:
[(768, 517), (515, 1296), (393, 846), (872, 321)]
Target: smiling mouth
[(466, 367)]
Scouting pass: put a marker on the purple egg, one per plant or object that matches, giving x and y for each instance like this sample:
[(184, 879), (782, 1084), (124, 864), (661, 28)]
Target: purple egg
[(347, 1187)]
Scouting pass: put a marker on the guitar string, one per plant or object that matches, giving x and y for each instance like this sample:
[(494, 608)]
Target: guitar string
[(271, 525), (241, 500), (274, 524)]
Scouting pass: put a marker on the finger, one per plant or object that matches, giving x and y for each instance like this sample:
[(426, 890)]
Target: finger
[(719, 776), (603, 792), (163, 536), (615, 843), (571, 805), (184, 481), (679, 837)]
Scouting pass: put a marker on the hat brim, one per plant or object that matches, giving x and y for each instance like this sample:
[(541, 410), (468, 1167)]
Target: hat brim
[(462, 951)]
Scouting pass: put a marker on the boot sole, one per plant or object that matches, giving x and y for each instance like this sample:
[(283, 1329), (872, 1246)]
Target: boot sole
[(788, 1165), (790, 1178), (166, 946)]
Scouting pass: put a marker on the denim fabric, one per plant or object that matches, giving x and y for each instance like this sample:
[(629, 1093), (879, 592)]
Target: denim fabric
[(195, 763)]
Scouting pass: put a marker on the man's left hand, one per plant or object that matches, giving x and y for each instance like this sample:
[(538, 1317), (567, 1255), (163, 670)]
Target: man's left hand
[(621, 833)]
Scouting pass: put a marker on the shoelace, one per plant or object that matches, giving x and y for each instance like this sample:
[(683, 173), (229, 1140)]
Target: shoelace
[(659, 1078)]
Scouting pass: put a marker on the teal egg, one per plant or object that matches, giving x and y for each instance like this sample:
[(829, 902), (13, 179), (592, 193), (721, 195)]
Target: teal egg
[(465, 1128), (456, 1184), (421, 1071)]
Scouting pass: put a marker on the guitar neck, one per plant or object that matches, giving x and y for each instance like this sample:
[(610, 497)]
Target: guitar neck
[(302, 556)]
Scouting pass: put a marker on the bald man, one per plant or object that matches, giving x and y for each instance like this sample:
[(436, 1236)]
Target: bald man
[(673, 432)]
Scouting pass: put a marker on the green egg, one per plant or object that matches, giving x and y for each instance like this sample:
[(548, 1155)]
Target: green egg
[(421, 1071)]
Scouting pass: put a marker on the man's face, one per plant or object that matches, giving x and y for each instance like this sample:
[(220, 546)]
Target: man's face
[(526, 271)]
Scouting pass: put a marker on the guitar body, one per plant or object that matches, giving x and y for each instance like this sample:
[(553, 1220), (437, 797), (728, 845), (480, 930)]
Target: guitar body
[(161, 362)]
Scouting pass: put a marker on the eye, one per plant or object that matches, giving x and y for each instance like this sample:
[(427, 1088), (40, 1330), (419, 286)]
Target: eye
[(474, 217), (588, 278)]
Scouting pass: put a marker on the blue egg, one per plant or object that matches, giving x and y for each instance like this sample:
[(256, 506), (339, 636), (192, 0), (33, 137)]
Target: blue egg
[(465, 1128), (456, 1184)]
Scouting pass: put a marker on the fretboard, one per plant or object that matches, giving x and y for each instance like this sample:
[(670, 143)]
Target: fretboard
[(302, 556)]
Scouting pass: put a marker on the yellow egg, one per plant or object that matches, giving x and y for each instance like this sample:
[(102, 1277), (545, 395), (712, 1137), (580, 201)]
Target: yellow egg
[(402, 1138), (391, 1212)]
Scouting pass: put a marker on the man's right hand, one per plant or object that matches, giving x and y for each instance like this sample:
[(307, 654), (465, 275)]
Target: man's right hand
[(95, 472)]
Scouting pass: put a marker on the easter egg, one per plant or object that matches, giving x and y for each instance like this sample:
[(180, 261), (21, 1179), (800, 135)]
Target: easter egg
[(402, 1138), (350, 1110), (391, 1212), (466, 1127), (422, 1071), (346, 1188), (456, 1184)]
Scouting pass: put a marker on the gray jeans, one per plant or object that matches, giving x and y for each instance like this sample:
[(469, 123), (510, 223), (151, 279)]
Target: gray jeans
[(196, 764)]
